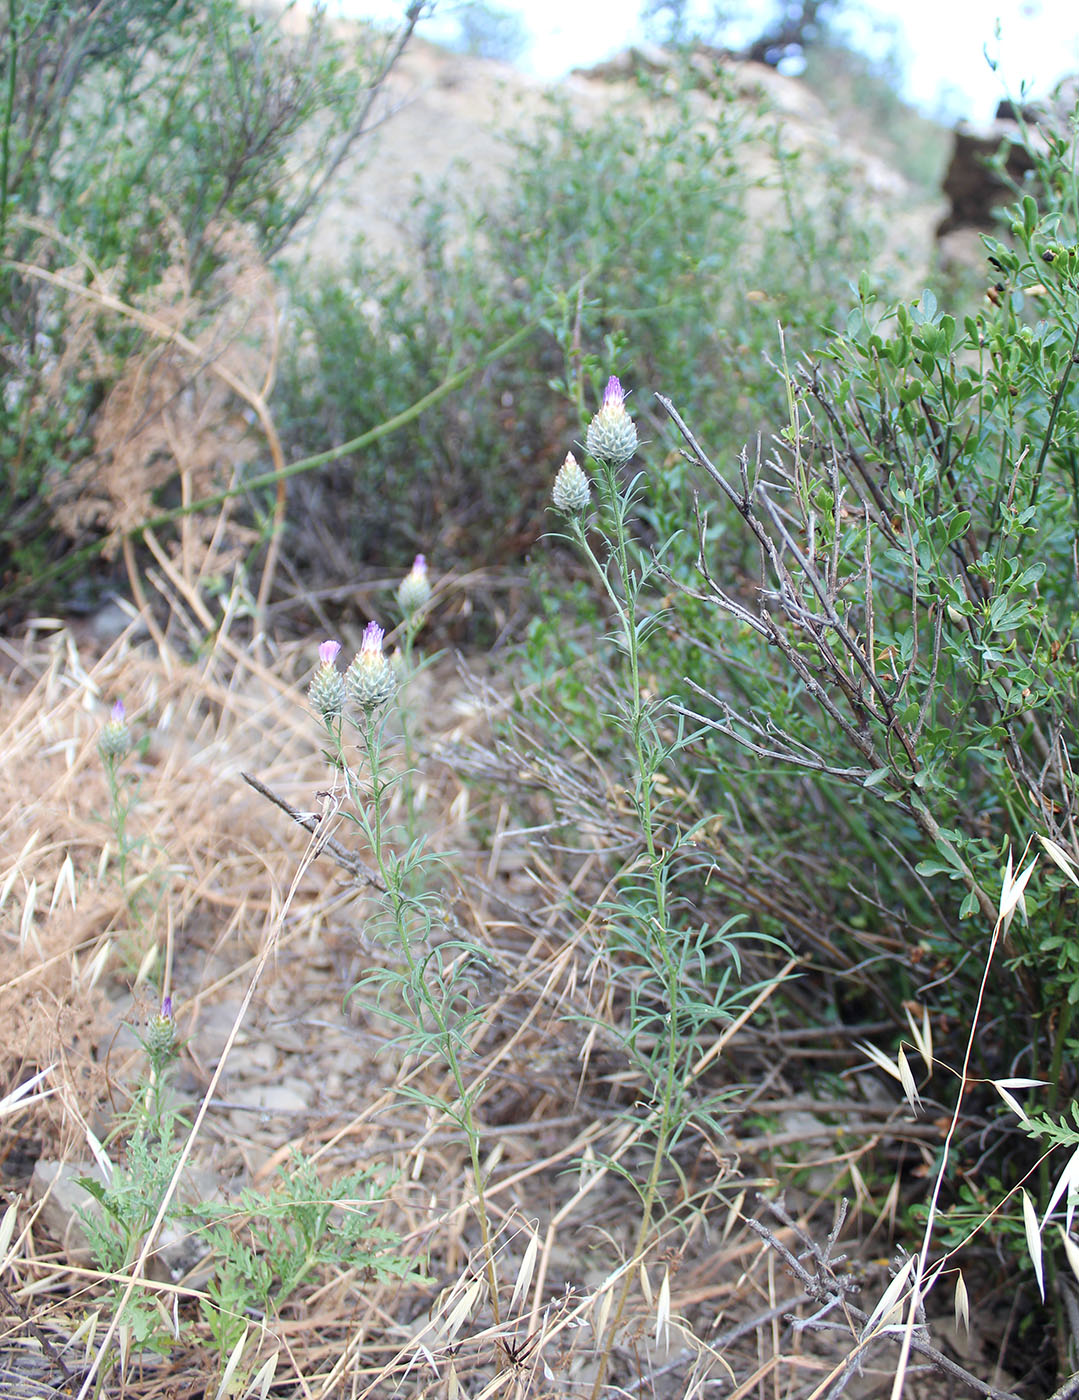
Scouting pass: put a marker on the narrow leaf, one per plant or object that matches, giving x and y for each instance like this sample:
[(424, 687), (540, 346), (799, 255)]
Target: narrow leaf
[(1065, 1183), (663, 1311), (462, 1309), (26, 924), (879, 1058), (1011, 893), (600, 1312), (1071, 1249), (263, 1378), (230, 1366), (906, 1078), (7, 1229), (65, 880)]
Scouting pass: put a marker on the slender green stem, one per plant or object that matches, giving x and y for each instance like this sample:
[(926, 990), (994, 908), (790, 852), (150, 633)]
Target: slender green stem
[(623, 592), (119, 809), (404, 710), (1057, 401), (407, 914), (78, 558)]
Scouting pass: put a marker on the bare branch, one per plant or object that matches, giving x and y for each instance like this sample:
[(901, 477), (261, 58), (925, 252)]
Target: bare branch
[(352, 863)]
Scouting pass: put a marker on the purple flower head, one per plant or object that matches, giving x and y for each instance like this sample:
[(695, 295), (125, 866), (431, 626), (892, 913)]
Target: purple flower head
[(419, 566), (160, 1040), (327, 689), (114, 742), (371, 646), (370, 680), (612, 435), (614, 396)]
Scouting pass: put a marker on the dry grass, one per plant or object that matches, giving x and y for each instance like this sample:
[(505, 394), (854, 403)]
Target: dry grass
[(259, 938)]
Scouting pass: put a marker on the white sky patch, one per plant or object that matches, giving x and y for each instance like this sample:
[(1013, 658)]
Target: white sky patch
[(942, 44)]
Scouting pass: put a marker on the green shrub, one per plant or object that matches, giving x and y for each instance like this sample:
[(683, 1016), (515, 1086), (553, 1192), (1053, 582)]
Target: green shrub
[(650, 204), (871, 628), (882, 714), (141, 145)]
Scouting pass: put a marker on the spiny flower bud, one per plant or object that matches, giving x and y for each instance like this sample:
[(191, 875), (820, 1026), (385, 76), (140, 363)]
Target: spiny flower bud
[(571, 492), (612, 436), (370, 678), (414, 590), (115, 739), (327, 691), (160, 1040)]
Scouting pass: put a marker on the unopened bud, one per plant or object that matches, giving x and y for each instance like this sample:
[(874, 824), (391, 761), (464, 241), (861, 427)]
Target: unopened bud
[(327, 691), (414, 590), (571, 492)]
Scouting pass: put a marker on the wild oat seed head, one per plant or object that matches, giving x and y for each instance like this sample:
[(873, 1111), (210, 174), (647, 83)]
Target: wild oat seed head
[(414, 590), (612, 434), (571, 492), (327, 692), (370, 679)]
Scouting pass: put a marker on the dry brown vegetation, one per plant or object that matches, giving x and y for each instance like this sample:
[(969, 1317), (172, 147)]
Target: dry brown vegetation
[(259, 935)]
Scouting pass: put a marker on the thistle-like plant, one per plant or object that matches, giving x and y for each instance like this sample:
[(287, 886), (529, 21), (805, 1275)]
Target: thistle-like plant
[(426, 987), (683, 977), (128, 1203)]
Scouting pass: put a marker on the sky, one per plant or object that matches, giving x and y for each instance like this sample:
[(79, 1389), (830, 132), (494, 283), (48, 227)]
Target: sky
[(941, 44)]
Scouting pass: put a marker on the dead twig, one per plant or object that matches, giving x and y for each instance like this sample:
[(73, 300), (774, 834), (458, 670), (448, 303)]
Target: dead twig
[(310, 822), (825, 1286)]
